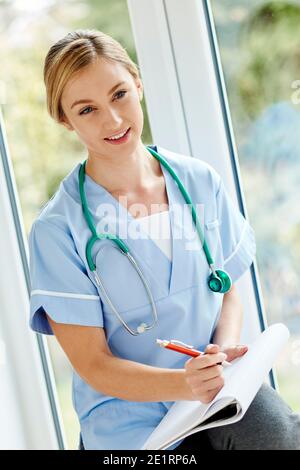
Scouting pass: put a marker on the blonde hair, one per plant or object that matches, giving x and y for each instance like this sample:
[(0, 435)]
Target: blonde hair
[(72, 53)]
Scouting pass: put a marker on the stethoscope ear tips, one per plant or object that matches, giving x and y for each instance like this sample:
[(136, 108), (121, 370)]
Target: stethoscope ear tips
[(220, 282)]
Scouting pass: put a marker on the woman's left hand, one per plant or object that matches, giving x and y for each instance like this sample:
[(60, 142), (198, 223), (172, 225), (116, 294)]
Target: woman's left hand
[(234, 351)]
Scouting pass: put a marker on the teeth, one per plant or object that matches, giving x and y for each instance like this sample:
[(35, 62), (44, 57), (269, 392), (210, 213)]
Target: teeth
[(117, 136)]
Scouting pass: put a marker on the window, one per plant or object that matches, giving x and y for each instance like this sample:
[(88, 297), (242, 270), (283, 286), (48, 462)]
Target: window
[(259, 44), (259, 48)]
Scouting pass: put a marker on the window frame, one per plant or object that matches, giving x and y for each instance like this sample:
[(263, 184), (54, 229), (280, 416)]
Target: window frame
[(36, 420)]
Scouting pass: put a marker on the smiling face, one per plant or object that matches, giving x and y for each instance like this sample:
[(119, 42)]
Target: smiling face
[(104, 112)]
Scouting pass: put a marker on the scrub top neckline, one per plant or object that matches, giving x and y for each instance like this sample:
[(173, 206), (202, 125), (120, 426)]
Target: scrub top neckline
[(160, 213), (137, 249), (166, 274)]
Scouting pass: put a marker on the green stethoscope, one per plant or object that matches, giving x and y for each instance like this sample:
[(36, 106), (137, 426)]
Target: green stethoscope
[(218, 281)]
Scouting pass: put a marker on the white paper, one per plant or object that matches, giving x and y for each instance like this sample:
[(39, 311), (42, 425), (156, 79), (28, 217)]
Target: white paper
[(242, 381)]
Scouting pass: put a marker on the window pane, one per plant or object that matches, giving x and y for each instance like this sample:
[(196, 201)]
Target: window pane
[(43, 152), (259, 44)]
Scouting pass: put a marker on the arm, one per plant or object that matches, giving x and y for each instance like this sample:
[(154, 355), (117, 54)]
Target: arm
[(228, 330), (88, 351)]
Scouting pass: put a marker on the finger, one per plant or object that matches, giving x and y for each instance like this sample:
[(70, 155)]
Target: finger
[(212, 348), (240, 350), (210, 372), (238, 347), (211, 395), (209, 387), (205, 360), (217, 382), (203, 375), (237, 351)]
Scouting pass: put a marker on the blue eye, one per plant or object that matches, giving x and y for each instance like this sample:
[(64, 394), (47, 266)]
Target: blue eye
[(121, 91), (90, 107), (82, 112)]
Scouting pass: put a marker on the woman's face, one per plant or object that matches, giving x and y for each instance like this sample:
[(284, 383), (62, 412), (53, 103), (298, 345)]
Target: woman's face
[(104, 112)]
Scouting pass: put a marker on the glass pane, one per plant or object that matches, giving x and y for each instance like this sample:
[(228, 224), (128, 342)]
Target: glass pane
[(43, 152), (259, 44)]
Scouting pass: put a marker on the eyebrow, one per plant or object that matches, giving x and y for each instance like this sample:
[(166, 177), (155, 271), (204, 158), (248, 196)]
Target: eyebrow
[(86, 100)]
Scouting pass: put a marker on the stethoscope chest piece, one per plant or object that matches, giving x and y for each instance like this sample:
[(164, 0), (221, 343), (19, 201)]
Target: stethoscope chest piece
[(219, 281)]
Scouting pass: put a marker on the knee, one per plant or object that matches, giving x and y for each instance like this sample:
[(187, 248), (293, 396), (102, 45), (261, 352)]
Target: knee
[(268, 424), (272, 421)]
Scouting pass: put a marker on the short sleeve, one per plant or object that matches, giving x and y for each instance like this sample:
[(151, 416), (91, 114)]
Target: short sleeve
[(237, 235), (60, 285)]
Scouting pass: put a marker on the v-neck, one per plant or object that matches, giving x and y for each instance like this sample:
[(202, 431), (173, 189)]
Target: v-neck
[(142, 248)]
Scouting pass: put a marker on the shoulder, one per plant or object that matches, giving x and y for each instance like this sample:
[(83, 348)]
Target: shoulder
[(54, 215), (192, 168)]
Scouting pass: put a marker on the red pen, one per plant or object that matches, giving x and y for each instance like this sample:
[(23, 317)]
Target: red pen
[(184, 349)]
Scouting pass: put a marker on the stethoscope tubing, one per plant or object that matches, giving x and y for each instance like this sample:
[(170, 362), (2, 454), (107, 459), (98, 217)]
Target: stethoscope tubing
[(219, 281)]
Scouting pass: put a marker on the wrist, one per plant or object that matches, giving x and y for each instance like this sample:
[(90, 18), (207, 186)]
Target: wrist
[(227, 342), (186, 391)]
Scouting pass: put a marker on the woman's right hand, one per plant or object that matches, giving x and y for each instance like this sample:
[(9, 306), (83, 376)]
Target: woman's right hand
[(204, 375)]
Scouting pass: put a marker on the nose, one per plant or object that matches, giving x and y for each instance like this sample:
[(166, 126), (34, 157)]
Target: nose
[(112, 122)]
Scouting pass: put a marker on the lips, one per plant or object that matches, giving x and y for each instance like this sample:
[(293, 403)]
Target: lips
[(117, 133)]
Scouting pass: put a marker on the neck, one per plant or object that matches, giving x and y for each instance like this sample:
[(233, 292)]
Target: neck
[(133, 172)]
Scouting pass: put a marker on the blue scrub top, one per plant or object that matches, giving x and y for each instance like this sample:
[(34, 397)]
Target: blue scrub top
[(64, 287)]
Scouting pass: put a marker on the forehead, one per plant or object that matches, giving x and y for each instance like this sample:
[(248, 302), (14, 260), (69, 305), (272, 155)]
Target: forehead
[(100, 76)]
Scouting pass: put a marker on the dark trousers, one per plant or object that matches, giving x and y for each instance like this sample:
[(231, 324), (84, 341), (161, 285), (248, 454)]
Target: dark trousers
[(268, 424)]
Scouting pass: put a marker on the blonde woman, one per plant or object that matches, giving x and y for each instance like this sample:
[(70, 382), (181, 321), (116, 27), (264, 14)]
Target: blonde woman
[(107, 287)]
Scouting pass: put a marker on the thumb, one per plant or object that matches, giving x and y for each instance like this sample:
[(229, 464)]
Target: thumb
[(236, 351)]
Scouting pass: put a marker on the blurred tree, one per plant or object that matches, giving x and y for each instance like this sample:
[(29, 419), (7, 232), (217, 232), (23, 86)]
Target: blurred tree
[(269, 55), (42, 151)]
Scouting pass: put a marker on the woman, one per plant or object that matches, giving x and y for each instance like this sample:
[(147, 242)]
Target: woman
[(123, 383)]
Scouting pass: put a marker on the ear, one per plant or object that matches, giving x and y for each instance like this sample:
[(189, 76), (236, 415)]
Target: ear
[(140, 88), (65, 122)]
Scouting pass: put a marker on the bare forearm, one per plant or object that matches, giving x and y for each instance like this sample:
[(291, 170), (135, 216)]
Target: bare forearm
[(229, 327), (129, 380)]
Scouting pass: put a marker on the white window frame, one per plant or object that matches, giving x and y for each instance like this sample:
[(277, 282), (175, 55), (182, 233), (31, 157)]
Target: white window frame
[(29, 413)]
